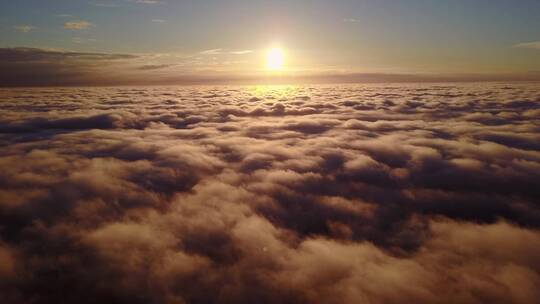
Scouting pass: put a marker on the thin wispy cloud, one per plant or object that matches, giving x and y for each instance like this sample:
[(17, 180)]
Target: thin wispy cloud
[(78, 25), (80, 40), (241, 52), (225, 52), (351, 20), (155, 67), (105, 4), (212, 52), (159, 20), (149, 1), (24, 28), (528, 45)]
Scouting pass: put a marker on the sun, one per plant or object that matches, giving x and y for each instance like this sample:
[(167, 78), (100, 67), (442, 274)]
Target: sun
[(275, 59)]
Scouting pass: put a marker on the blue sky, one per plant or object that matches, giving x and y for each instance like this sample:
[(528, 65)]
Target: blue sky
[(416, 36)]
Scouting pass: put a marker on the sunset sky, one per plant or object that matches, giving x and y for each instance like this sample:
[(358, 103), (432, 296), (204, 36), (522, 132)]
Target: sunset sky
[(269, 152), (175, 41)]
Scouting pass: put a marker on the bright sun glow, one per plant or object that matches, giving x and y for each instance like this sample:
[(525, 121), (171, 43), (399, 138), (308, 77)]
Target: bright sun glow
[(275, 59)]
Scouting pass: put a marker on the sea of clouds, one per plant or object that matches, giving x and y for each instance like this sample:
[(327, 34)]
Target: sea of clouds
[(288, 194)]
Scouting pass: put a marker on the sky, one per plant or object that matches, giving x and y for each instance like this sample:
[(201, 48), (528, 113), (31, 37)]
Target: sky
[(208, 40)]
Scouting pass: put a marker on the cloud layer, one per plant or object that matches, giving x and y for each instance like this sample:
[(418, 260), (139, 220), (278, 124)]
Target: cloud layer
[(327, 194)]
